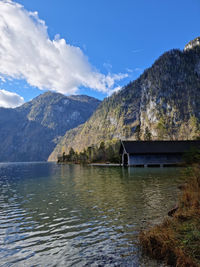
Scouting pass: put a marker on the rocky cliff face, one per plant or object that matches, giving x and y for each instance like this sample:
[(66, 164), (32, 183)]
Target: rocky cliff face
[(163, 104), (30, 132), (192, 44)]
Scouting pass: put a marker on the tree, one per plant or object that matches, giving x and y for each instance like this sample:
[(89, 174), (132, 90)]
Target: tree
[(63, 156), (102, 152), (89, 153), (137, 132), (147, 134), (193, 127), (71, 154), (190, 129), (102, 146), (161, 129)]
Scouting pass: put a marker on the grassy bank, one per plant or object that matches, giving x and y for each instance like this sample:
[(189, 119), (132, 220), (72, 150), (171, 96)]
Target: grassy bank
[(177, 239)]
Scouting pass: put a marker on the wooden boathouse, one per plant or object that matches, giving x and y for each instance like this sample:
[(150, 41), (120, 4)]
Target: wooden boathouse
[(155, 153)]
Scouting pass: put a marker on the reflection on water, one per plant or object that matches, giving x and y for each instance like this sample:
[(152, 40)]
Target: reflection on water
[(71, 215)]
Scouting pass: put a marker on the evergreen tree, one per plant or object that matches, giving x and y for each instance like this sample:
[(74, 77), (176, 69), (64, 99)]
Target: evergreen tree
[(147, 135), (137, 132)]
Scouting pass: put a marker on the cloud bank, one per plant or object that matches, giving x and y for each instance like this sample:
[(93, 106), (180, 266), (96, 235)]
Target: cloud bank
[(26, 52), (10, 100)]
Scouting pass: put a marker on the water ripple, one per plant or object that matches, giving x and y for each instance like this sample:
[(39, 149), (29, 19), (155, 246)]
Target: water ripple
[(79, 216)]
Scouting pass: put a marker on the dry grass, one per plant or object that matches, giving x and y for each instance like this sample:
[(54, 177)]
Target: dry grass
[(177, 239)]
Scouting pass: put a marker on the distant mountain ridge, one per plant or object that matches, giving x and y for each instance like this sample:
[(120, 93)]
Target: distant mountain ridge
[(162, 104), (31, 131)]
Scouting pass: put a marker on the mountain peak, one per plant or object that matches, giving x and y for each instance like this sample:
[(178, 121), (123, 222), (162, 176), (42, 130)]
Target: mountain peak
[(192, 44), (162, 104), (30, 132)]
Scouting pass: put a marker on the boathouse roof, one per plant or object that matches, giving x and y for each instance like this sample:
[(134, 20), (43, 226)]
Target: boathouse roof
[(157, 147)]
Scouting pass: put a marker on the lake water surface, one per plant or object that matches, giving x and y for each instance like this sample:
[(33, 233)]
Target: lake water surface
[(72, 215)]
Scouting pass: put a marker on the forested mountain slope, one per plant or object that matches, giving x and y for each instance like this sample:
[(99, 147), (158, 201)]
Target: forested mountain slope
[(162, 104)]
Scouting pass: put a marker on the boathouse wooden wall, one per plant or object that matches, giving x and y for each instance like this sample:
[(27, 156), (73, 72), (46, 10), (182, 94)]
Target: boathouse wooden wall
[(156, 159)]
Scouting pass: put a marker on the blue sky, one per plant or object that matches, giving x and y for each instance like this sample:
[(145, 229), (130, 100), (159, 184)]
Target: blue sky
[(116, 37)]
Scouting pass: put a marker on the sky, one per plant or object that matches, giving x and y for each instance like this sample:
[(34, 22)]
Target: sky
[(92, 47)]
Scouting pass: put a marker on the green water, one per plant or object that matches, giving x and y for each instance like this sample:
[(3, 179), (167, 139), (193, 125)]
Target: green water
[(71, 215)]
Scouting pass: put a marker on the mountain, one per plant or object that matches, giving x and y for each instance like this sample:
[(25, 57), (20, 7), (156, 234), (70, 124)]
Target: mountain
[(31, 131), (162, 104)]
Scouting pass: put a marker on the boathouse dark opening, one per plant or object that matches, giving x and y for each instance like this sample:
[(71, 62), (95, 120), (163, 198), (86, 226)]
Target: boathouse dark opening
[(125, 161)]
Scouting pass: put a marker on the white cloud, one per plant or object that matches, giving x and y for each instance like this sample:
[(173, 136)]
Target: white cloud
[(129, 70), (107, 66), (138, 69), (26, 52), (10, 100), (115, 90)]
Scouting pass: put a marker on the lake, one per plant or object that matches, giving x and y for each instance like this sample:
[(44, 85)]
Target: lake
[(72, 215)]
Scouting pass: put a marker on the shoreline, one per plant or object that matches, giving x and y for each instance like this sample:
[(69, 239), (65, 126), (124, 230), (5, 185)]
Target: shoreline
[(105, 164), (176, 240)]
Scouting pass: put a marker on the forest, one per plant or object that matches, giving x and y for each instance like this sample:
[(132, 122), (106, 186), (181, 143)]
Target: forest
[(103, 153)]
